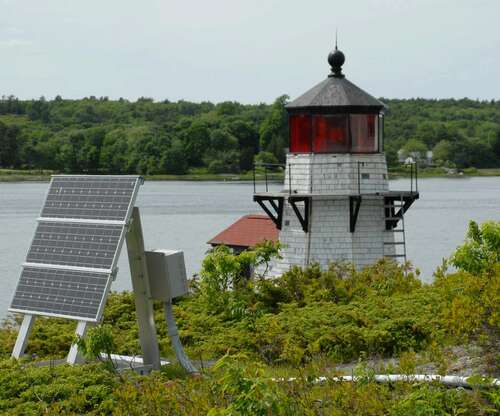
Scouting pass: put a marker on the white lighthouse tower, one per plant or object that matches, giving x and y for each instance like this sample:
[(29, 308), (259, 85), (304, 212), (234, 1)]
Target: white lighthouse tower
[(336, 204)]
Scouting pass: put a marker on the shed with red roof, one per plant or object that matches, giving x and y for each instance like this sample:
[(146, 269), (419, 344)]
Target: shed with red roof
[(246, 233)]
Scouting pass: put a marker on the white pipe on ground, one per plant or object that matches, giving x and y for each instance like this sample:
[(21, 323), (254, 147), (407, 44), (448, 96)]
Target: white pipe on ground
[(451, 381)]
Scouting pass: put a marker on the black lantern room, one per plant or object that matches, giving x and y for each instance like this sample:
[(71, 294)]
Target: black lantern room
[(336, 116)]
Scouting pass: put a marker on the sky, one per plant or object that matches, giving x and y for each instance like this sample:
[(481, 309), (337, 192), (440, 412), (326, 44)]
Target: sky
[(250, 51)]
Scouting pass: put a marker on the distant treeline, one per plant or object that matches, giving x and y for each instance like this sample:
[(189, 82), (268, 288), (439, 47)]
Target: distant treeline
[(93, 135)]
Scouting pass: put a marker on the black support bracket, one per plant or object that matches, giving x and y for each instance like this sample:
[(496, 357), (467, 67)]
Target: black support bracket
[(396, 207), (354, 205), (275, 208), (303, 218)]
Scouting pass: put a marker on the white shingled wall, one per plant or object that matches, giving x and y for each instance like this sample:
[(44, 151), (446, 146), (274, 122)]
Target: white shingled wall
[(330, 178)]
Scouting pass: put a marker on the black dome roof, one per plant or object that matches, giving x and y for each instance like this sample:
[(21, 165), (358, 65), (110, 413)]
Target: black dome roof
[(336, 93)]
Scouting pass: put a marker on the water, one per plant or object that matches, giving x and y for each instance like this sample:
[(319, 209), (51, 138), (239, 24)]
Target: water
[(185, 215)]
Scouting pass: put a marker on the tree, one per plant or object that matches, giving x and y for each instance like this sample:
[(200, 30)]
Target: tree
[(495, 146), (391, 154), (264, 158), (9, 145), (481, 249), (39, 110), (138, 136), (114, 152), (221, 139), (248, 141), (196, 139), (229, 108), (415, 149), (481, 154), (274, 129), (224, 162), (87, 115), (174, 159), (443, 151)]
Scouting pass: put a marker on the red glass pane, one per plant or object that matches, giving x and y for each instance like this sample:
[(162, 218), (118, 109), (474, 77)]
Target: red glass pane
[(330, 134), (300, 134), (363, 133)]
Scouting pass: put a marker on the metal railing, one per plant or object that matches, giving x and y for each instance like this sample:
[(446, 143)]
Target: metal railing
[(265, 170)]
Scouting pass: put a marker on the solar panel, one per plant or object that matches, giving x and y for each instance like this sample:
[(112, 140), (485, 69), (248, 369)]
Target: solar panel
[(76, 246), (64, 293), (89, 197)]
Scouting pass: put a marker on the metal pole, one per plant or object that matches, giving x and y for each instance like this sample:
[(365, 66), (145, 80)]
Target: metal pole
[(74, 356), (265, 174), (416, 177), (289, 178), (359, 178), (254, 188), (23, 335), (411, 177), (140, 285)]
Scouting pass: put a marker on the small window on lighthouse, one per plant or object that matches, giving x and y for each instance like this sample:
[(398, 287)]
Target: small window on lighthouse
[(300, 134), (330, 134), (363, 133)]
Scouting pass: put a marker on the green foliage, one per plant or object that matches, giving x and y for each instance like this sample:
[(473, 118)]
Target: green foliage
[(299, 324), (98, 340), (414, 148), (55, 389), (225, 276), (481, 249), (467, 131), (274, 129), (266, 158), (9, 145), (437, 400), (100, 135), (233, 386), (443, 152)]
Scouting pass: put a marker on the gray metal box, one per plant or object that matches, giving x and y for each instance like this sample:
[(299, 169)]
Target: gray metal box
[(167, 274)]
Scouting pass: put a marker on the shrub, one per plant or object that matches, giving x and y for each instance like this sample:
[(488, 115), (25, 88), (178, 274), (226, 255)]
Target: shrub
[(481, 250)]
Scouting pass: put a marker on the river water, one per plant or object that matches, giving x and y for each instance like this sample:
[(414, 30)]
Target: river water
[(185, 215)]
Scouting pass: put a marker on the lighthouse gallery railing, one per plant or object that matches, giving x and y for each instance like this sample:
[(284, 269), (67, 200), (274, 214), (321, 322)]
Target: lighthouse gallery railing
[(265, 173)]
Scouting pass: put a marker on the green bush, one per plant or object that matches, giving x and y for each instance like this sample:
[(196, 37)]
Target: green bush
[(301, 323)]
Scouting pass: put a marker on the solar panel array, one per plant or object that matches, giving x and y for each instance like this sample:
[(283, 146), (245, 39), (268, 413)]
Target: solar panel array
[(76, 246)]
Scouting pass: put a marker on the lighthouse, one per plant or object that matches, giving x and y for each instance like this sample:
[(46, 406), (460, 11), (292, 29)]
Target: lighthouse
[(336, 204)]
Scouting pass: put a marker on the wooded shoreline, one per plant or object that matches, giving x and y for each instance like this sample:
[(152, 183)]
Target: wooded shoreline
[(15, 175)]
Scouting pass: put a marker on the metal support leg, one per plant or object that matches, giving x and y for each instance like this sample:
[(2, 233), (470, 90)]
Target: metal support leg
[(22, 336), (143, 300), (74, 356), (176, 342)]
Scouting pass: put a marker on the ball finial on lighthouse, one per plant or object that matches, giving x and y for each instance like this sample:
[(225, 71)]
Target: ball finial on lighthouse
[(336, 59)]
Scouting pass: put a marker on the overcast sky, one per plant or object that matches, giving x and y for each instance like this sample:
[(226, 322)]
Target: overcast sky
[(247, 50)]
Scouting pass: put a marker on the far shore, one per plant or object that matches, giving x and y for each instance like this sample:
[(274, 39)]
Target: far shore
[(14, 175)]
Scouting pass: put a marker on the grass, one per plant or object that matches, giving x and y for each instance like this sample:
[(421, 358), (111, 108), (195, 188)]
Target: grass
[(303, 324), (20, 175), (436, 172)]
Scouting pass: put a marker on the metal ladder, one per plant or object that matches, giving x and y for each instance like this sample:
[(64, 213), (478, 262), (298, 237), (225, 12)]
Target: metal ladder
[(395, 212)]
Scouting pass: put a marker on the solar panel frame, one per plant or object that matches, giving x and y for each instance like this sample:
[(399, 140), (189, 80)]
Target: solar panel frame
[(111, 272)]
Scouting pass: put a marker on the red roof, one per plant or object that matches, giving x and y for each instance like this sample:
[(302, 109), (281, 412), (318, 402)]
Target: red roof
[(247, 232)]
